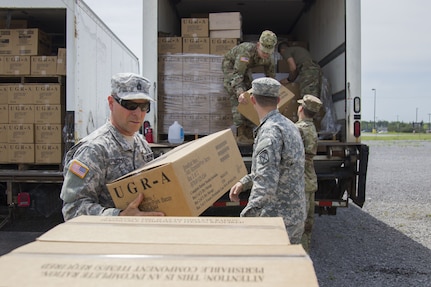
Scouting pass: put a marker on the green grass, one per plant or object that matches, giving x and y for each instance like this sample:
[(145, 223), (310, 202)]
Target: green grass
[(396, 136)]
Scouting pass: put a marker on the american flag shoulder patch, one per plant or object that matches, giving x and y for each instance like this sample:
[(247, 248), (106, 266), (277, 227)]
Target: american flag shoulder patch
[(78, 168), (244, 59)]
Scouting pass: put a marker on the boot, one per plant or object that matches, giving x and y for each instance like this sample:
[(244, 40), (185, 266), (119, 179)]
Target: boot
[(244, 135)]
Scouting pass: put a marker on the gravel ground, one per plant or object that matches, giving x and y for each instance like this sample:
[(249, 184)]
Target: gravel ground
[(388, 242)]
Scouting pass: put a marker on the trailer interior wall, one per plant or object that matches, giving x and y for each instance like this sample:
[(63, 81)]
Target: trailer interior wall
[(323, 27), (99, 54), (158, 16), (332, 28)]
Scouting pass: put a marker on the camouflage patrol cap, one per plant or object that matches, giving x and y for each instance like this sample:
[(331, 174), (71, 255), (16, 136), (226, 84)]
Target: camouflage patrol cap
[(311, 103), (129, 86), (265, 86), (267, 41)]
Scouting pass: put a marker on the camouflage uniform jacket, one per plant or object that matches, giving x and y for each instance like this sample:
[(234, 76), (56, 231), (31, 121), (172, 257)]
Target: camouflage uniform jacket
[(277, 172), (309, 137), (107, 155), (237, 64)]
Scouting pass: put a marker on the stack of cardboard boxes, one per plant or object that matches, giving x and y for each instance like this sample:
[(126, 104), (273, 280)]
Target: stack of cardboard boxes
[(31, 103), (161, 251), (214, 34), (225, 25), (190, 75)]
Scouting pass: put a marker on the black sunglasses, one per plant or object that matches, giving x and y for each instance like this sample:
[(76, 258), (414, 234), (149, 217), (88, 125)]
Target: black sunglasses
[(131, 106)]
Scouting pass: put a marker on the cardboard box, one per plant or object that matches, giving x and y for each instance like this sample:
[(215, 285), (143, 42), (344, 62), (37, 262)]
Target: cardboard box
[(196, 45), (21, 153), (48, 133), (48, 153), (16, 65), (170, 45), (194, 27), (186, 180), (263, 231), (143, 250), (31, 42), (4, 130), (19, 94), (220, 46), (6, 42), (21, 114), (290, 111), (4, 94), (20, 133), (43, 65), (61, 62), (226, 34), (48, 114), (46, 94), (195, 65), (287, 97), (4, 152), (225, 21), (170, 65), (4, 114)]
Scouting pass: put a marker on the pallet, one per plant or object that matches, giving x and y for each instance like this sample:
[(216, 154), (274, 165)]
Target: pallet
[(29, 79)]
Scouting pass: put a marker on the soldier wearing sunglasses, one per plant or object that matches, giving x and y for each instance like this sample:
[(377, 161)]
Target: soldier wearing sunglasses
[(114, 149)]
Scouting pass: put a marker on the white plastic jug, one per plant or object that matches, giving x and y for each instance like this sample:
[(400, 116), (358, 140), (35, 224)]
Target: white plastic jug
[(176, 133)]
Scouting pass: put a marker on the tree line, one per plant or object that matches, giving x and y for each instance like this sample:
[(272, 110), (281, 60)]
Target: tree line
[(400, 127)]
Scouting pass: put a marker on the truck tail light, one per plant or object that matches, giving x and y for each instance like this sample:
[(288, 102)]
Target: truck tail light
[(357, 129), (23, 199)]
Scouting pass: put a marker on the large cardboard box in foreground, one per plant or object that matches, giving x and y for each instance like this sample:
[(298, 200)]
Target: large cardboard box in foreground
[(186, 180), (161, 251), (288, 94)]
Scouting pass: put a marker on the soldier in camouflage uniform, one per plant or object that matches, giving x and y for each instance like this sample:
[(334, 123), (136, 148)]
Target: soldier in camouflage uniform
[(277, 172), (301, 65), (108, 153), (237, 64), (308, 108)]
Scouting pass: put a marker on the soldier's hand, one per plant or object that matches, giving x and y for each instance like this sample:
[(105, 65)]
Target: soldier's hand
[(242, 99), (133, 209), (235, 191), (284, 81)]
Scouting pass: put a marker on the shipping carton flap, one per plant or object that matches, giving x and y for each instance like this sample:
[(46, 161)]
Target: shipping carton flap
[(171, 230), (90, 248)]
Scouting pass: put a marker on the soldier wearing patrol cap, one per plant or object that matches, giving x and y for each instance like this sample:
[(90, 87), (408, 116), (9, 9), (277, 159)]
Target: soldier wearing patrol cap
[(236, 66), (276, 179), (308, 108), (109, 152)]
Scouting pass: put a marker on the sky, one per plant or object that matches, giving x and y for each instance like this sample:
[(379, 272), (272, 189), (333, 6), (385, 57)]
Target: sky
[(396, 60)]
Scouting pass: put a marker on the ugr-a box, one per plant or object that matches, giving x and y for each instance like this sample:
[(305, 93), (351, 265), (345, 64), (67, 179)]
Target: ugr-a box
[(186, 180), (287, 96)]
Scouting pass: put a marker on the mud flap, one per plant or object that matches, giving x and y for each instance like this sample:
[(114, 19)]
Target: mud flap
[(359, 197)]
